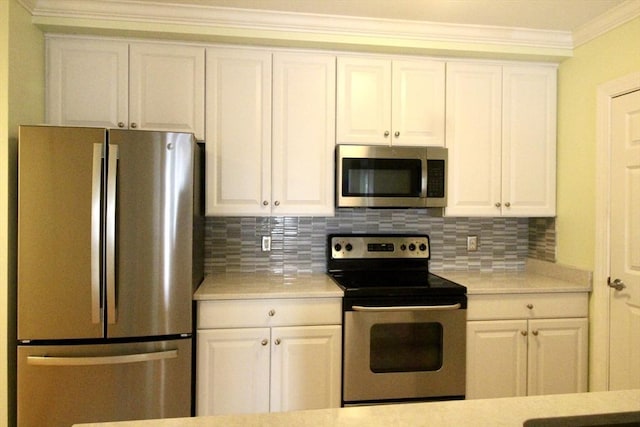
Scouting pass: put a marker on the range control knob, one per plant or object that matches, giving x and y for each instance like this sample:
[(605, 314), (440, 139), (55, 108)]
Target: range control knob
[(423, 247), (403, 247), (337, 247), (348, 247), (412, 247)]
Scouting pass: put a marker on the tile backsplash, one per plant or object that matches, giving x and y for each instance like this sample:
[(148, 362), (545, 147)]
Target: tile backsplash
[(233, 244)]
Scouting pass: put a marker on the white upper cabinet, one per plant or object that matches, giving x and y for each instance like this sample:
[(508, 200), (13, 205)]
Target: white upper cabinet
[(238, 148), (166, 88), (390, 102), (304, 105), (270, 133), (116, 84), (87, 82), (501, 136)]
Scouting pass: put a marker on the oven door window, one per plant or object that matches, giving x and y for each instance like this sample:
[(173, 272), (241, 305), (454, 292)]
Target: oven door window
[(381, 177), (406, 347)]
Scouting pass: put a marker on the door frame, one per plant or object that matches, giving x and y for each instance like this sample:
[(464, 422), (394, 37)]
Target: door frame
[(599, 337)]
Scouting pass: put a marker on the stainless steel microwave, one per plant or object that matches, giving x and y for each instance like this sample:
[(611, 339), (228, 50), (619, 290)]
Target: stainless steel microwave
[(391, 177)]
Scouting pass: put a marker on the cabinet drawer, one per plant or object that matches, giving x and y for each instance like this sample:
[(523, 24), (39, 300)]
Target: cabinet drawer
[(528, 306), (269, 312)]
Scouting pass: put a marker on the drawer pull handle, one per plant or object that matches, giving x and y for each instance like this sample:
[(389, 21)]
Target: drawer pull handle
[(530, 306), (272, 313), (277, 341), (264, 341), (524, 333), (535, 333)]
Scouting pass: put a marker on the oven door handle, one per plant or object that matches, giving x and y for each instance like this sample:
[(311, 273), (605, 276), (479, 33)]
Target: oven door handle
[(408, 308)]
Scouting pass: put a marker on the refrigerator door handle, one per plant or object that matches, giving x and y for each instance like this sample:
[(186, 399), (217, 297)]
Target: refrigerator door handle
[(101, 360), (112, 170), (96, 193)]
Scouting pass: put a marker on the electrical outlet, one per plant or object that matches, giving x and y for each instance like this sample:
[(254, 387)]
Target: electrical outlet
[(266, 243), (472, 243)]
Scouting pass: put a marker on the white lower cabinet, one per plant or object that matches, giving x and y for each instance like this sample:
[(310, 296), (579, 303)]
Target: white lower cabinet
[(519, 345), (273, 367)]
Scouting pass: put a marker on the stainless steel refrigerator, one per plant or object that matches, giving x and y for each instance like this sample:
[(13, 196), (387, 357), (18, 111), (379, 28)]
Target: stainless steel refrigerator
[(109, 254)]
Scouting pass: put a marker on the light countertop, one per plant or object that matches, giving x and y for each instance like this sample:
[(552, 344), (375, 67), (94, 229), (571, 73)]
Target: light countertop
[(255, 286), (538, 277), (477, 413)]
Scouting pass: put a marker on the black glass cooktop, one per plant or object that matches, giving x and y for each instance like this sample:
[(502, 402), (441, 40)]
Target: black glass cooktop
[(381, 283)]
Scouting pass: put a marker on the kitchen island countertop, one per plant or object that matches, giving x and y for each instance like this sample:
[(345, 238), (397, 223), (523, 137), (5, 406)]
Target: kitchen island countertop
[(512, 411)]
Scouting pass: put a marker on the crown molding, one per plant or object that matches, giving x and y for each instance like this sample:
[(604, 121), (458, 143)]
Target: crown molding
[(334, 29), (606, 22)]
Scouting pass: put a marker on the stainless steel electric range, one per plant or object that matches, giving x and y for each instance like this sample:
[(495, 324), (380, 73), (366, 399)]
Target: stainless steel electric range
[(404, 328)]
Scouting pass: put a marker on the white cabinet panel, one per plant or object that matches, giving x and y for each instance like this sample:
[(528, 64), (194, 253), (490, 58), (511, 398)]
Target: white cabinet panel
[(306, 368), (304, 87), (474, 141), (87, 82), (501, 136), (238, 148), (232, 371), (390, 102), (167, 88), (510, 356)]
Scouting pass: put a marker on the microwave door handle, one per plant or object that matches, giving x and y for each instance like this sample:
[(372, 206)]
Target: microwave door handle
[(362, 308), (112, 171)]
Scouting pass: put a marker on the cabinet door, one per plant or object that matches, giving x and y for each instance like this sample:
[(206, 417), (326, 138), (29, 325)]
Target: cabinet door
[(303, 134), (238, 148), (87, 82), (232, 371), (557, 356), (364, 101), (167, 88), (418, 103), (473, 137), (529, 141), (306, 367), (496, 358)]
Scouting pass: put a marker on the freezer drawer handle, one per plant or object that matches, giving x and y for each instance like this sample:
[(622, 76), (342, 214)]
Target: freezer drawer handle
[(408, 308), (101, 360)]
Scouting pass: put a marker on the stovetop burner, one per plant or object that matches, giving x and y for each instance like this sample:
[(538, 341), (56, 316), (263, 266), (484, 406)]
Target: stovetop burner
[(383, 265)]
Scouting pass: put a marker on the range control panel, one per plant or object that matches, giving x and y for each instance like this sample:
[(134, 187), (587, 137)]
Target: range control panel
[(351, 246)]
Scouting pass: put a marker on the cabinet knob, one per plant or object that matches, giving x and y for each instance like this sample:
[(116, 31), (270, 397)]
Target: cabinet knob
[(134, 125), (386, 133), (120, 124), (535, 333), (264, 341), (524, 333), (397, 134), (271, 313), (530, 306), (265, 203), (507, 204), (498, 204), (277, 341), (277, 203)]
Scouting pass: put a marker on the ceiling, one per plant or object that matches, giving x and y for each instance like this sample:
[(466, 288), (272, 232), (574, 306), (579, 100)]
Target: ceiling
[(561, 15)]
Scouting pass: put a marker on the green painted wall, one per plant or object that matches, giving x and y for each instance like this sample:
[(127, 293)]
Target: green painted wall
[(21, 101), (603, 59)]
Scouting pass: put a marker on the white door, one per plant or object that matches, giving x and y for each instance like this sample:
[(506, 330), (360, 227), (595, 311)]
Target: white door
[(238, 132), (166, 88), (418, 103), (557, 360), (496, 359), (364, 101), (232, 371), (303, 139), (624, 357), (306, 367), (87, 82)]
